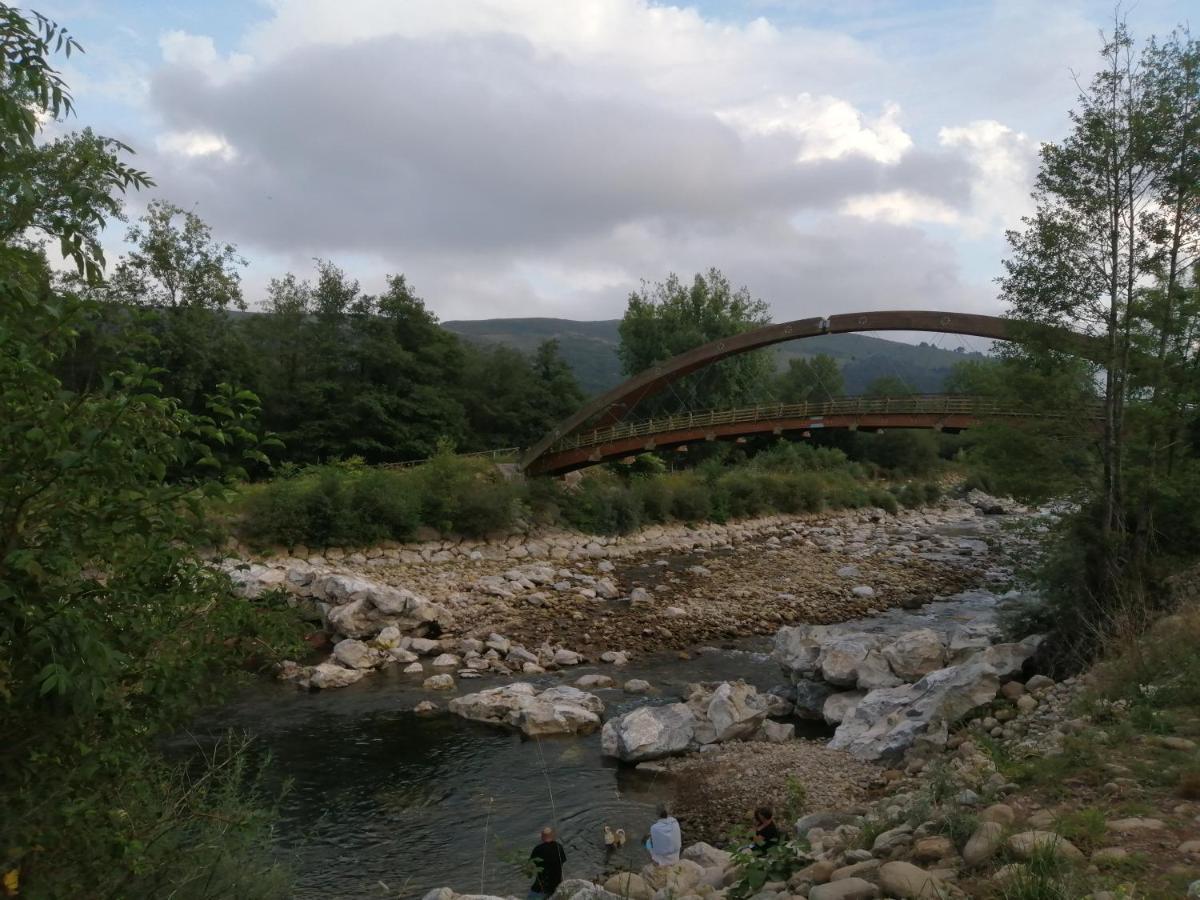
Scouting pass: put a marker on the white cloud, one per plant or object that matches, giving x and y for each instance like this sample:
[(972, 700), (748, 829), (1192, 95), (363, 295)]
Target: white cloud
[(195, 143), (197, 51), (519, 156), (825, 127), (901, 208), (1005, 162)]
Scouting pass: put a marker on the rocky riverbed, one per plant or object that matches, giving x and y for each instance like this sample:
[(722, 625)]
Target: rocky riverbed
[(465, 614), (562, 636)]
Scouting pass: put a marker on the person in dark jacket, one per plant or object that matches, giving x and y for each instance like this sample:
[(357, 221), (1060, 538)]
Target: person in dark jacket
[(548, 857), (766, 834)]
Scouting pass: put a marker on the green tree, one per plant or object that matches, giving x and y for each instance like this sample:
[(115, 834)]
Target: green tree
[(110, 628), (669, 318), (179, 283), (1108, 252), (888, 386), (817, 379)]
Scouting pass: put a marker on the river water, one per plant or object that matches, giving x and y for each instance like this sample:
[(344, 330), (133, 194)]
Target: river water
[(383, 803)]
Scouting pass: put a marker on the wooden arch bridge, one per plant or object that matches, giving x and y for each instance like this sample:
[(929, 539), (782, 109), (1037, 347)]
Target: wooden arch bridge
[(599, 430)]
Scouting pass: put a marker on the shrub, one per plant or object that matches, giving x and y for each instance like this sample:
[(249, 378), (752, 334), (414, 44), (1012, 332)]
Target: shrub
[(884, 499), (691, 499), (794, 493), (744, 492), (655, 497), (603, 505)]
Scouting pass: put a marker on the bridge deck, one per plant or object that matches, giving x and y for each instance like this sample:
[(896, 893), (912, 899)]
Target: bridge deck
[(937, 411)]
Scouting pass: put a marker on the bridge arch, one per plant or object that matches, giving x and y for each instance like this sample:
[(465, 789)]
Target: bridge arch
[(612, 405)]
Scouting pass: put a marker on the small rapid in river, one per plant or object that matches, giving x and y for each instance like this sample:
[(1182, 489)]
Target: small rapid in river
[(386, 803)]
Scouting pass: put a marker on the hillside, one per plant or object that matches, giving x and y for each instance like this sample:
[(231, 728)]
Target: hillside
[(591, 350)]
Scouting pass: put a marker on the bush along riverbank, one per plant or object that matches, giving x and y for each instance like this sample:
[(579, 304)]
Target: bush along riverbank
[(348, 504), (1083, 788)]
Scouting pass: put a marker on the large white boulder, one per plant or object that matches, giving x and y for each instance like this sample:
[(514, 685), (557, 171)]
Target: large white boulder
[(360, 608), (558, 710), (331, 675), (916, 653), (649, 732), (842, 657), (354, 654), (726, 711), (887, 721), (798, 648)]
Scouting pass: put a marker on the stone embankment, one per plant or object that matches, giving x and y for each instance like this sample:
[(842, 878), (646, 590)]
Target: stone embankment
[(459, 610)]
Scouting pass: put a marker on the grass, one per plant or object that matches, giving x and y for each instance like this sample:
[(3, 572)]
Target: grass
[(1085, 828), (1044, 876)]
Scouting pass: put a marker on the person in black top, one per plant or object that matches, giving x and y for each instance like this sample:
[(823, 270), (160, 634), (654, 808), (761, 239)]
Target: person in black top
[(548, 857), (766, 834)]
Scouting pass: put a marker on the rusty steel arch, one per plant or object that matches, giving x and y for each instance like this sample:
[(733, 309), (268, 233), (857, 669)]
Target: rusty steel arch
[(614, 404)]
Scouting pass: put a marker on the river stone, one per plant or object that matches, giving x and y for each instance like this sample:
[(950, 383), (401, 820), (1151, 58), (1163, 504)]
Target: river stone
[(915, 653), (414, 669), (810, 697), (446, 661), (863, 590), (649, 732), (798, 647), (578, 889), (778, 732), (840, 658), (838, 706), (330, 675), (679, 878), (874, 672), (904, 880), (438, 683), (845, 889), (888, 840), (983, 844), (557, 710), (707, 855), (564, 657), (388, 638), (424, 646), (252, 580), (1023, 845), (636, 686), (356, 655), (628, 884), (732, 710), (595, 681), (826, 819), (888, 720), (361, 608), (402, 656)]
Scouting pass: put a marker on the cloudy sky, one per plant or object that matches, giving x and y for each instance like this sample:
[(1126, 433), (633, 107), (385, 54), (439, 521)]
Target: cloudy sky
[(543, 157)]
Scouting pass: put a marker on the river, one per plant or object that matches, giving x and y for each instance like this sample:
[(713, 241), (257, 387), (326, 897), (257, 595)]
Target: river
[(385, 803)]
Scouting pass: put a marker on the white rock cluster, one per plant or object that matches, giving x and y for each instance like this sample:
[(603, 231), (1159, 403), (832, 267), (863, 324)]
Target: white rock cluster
[(883, 691), (712, 714), (557, 710)]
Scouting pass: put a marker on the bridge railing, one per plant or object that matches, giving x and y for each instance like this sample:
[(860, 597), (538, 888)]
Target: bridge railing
[(927, 404), (504, 453)]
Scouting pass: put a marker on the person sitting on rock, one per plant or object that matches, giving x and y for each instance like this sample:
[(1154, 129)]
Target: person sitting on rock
[(766, 833), (665, 840), (548, 857)]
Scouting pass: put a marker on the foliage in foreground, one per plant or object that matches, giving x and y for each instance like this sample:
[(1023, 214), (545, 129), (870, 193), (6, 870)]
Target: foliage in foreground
[(110, 633)]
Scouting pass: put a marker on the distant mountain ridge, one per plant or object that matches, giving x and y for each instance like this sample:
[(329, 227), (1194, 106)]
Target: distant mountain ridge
[(590, 348)]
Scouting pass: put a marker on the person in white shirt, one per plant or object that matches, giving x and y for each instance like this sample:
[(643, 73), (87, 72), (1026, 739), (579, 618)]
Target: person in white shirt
[(665, 840)]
